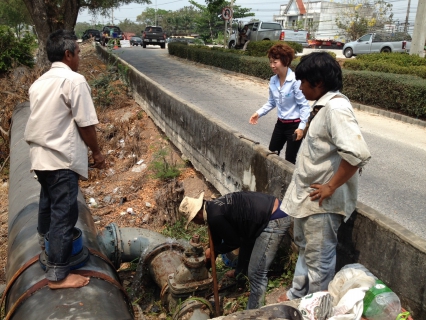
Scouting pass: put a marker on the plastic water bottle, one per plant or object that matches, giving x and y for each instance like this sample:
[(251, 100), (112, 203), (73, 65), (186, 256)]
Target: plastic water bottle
[(381, 303)]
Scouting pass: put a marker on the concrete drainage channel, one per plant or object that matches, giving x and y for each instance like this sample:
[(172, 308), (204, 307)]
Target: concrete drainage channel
[(177, 267), (210, 145)]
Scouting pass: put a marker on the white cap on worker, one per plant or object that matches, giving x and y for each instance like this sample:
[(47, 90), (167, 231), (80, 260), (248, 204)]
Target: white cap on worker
[(190, 207)]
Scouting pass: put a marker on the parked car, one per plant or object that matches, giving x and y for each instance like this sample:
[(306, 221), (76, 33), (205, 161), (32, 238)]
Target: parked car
[(135, 41), (109, 32), (91, 33), (378, 42), (154, 35), (259, 30)]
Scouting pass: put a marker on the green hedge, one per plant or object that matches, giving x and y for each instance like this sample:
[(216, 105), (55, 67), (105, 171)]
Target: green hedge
[(260, 48), (223, 58), (401, 59), (389, 63), (399, 93), (14, 51)]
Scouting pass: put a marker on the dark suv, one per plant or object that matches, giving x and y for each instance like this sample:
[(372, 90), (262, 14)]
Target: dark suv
[(91, 33), (116, 33)]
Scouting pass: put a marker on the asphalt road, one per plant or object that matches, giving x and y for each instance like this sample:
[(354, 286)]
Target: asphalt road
[(394, 181)]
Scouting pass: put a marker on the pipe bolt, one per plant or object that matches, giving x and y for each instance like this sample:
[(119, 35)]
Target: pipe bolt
[(196, 238)]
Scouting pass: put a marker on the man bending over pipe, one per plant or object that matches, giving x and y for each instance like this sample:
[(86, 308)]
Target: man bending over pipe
[(251, 221), (60, 128)]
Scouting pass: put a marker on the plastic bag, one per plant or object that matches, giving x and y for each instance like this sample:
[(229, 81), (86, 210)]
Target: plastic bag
[(359, 266), (350, 306), (347, 279), (310, 305)]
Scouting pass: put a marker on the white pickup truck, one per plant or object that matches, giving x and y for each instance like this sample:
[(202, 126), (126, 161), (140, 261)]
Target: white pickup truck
[(378, 42), (267, 31)]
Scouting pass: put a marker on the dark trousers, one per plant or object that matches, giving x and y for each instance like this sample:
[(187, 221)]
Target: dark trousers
[(283, 134), (58, 214)]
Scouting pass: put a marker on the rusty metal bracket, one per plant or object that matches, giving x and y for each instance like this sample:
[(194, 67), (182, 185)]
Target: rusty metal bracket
[(42, 283), (272, 152), (243, 137), (15, 276)]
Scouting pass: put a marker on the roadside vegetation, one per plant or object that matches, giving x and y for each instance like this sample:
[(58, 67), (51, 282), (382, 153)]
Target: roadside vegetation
[(15, 51), (389, 63)]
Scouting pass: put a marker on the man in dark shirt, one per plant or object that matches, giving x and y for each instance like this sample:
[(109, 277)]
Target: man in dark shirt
[(251, 221)]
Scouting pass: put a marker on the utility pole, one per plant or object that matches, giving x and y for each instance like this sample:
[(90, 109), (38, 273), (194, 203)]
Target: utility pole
[(112, 16), (419, 33), (230, 24), (155, 17), (406, 17), (232, 16), (306, 16)]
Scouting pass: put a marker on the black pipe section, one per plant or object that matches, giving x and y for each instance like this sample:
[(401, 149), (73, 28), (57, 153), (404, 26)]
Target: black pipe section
[(102, 298)]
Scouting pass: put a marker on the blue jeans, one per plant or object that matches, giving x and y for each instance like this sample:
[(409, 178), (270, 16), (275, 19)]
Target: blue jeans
[(58, 214), (316, 237), (263, 254)]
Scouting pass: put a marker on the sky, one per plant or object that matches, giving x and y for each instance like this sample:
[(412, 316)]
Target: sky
[(264, 11)]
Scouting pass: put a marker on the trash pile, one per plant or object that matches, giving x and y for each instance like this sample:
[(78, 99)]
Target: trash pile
[(354, 294)]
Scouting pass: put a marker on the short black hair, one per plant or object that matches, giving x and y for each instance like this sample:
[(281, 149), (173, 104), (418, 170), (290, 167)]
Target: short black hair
[(58, 42), (318, 67)]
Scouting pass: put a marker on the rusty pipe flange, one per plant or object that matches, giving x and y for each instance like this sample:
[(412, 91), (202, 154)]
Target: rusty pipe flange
[(194, 262), (174, 246), (180, 288), (190, 305), (109, 240)]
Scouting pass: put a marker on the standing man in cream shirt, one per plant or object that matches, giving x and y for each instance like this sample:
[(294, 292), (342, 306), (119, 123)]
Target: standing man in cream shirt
[(60, 128)]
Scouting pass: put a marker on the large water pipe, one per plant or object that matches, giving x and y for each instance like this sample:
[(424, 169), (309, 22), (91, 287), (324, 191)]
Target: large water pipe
[(26, 296)]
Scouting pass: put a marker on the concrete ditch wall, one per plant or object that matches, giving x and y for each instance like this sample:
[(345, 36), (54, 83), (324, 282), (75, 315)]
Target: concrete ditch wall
[(232, 163)]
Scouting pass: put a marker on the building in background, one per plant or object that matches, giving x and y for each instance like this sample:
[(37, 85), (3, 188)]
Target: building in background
[(318, 17)]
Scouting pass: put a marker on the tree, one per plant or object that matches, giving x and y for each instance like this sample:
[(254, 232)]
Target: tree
[(148, 17), (360, 16), (50, 15), (14, 14), (129, 26), (209, 23)]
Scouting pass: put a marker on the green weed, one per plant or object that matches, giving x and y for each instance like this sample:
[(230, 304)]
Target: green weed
[(177, 231), (123, 74), (140, 115), (235, 304), (131, 266), (164, 166), (105, 91)]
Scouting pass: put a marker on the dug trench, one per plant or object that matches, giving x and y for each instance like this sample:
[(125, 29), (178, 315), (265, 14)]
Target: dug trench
[(142, 186)]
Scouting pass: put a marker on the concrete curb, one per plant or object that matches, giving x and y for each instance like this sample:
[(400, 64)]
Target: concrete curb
[(389, 114)]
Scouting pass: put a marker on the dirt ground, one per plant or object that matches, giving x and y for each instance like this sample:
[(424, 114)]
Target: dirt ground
[(126, 192)]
